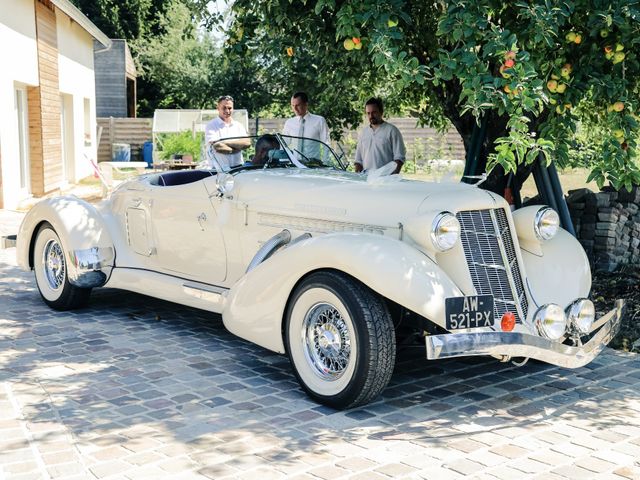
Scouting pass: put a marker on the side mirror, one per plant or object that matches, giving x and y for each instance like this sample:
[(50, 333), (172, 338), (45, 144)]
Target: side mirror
[(224, 184)]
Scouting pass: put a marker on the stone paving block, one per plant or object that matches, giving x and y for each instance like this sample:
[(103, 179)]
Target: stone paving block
[(463, 466), (571, 450), (368, 476), (627, 448), (24, 466), (614, 457), (504, 472), (632, 473), (510, 451)]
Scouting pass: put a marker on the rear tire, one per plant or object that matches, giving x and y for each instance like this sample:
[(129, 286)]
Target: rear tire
[(50, 268), (340, 339)]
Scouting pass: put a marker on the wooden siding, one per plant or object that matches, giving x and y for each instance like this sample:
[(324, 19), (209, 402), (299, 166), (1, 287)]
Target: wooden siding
[(134, 131), (36, 172), (45, 130), (130, 67)]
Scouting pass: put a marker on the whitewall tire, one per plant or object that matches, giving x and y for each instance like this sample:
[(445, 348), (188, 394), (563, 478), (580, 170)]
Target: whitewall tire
[(340, 339), (50, 267)]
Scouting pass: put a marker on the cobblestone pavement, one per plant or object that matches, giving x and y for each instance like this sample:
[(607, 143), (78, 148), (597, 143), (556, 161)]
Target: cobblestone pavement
[(134, 388)]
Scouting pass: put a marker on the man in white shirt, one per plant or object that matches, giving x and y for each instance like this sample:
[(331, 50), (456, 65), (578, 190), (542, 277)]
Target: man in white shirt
[(229, 152), (306, 124), (380, 142)]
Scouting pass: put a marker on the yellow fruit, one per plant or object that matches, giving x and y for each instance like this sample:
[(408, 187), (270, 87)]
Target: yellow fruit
[(290, 51), (618, 106), (552, 85), (561, 87), (578, 39), (565, 72), (604, 33), (618, 57), (570, 37), (560, 109), (618, 133), (358, 46), (392, 22), (619, 47), (348, 44)]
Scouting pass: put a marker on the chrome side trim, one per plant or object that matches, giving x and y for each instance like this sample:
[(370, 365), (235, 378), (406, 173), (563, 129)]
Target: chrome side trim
[(269, 247), (316, 225), (510, 344), (87, 266), (204, 292)]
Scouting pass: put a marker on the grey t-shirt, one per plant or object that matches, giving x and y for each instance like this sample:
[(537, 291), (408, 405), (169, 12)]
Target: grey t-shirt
[(377, 147)]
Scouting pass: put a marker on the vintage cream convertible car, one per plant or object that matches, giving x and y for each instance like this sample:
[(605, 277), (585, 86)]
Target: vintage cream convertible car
[(330, 267)]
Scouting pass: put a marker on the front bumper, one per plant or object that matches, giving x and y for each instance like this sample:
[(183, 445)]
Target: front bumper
[(509, 344)]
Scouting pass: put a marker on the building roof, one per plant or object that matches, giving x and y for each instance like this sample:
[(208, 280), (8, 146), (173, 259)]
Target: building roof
[(72, 11)]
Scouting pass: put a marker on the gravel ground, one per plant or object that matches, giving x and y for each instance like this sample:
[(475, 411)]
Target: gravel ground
[(625, 284)]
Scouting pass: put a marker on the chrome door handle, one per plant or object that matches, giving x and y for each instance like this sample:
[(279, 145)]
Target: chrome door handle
[(202, 218)]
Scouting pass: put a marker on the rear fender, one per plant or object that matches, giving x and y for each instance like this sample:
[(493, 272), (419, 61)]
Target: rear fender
[(88, 246), (255, 305)]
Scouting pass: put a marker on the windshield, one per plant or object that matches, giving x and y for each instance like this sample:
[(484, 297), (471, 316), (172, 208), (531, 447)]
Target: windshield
[(269, 151)]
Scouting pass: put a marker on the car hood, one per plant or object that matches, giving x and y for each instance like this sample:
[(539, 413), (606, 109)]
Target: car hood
[(349, 197)]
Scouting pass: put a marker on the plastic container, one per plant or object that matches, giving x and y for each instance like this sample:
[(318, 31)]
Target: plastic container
[(147, 153), (121, 152)]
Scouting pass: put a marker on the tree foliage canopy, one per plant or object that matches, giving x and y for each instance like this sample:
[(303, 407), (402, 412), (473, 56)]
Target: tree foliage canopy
[(179, 64), (533, 72)]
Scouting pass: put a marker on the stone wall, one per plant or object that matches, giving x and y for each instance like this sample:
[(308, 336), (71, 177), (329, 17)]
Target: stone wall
[(607, 224)]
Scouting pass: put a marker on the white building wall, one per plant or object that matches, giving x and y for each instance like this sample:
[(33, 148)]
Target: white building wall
[(18, 67), (77, 79)]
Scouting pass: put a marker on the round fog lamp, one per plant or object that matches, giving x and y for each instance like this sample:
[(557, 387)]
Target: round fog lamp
[(581, 315), (445, 231), (546, 224), (550, 321)]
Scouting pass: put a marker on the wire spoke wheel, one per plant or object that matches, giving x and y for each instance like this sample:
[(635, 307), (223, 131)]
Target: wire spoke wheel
[(340, 339), (51, 272)]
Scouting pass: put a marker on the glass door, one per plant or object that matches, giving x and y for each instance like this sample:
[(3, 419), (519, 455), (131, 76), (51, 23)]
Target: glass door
[(23, 139)]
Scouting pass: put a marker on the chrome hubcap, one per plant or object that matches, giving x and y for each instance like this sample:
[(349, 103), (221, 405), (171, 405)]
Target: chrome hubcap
[(326, 341), (54, 267)]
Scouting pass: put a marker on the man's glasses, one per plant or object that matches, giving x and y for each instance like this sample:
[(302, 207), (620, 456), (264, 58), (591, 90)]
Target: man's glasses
[(224, 98)]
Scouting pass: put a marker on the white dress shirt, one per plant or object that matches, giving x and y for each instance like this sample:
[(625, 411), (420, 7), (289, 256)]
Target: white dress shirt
[(379, 146), (217, 129), (309, 126)]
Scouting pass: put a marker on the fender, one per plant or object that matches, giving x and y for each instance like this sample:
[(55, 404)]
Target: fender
[(255, 305), (548, 278), (88, 246)]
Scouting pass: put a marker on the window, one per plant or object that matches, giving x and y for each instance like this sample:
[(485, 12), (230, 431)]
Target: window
[(87, 122)]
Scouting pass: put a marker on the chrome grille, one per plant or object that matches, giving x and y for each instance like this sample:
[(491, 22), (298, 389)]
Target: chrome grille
[(493, 265)]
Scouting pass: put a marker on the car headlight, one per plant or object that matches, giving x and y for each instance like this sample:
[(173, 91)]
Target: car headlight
[(445, 231), (550, 321), (580, 315), (547, 223)]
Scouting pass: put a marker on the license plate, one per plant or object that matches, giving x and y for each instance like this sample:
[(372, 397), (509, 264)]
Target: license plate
[(468, 312)]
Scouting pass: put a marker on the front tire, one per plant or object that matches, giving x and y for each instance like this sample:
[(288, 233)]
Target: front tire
[(50, 268), (340, 339)]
